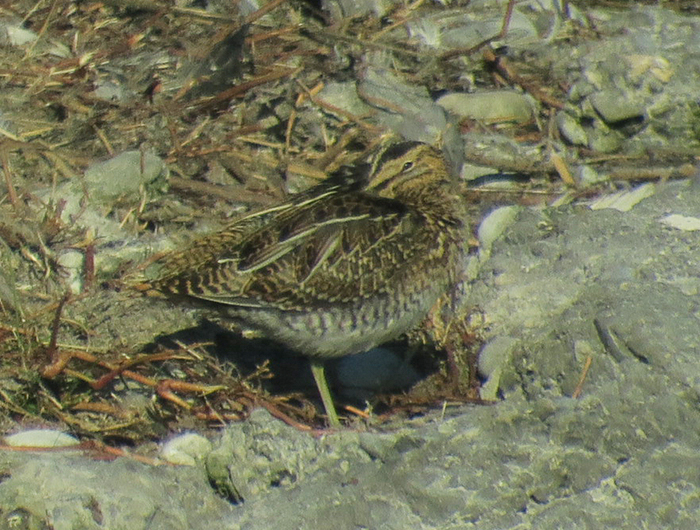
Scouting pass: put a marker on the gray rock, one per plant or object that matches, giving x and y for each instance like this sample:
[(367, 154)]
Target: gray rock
[(603, 140), (404, 108), (340, 9), (125, 176), (67, 492), (186, 449), (556, 284), (493, 106), (557, 287), (571, 129), (615, 107), (40, 438), (13, 34)]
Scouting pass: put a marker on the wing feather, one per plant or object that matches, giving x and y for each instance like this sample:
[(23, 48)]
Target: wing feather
[(320, 252)]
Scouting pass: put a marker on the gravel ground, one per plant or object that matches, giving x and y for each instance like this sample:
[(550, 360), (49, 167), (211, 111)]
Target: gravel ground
[(558, 287), (562, 289)]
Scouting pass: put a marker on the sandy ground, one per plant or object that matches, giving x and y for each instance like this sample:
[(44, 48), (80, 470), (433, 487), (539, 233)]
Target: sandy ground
[(618, 288), (590, 354)]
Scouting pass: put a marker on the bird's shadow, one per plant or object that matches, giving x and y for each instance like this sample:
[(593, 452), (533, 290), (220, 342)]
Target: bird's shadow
[(290, 371)]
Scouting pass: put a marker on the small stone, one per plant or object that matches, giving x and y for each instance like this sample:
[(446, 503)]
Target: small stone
[(681, 222), (624, 201), (604, 140), (124, 175), (40, 438), (186, 449), (493, 356), (14, 34), (587, 176), (615, 107), (571, 129), (419, 119), (490, 106), (493, 226), (344, 96), (73, 262)]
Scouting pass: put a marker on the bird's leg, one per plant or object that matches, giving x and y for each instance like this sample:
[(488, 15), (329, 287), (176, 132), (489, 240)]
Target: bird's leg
[(318, 369)]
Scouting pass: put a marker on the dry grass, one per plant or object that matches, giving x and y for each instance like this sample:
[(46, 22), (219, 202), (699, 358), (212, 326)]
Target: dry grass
[(228, 145)]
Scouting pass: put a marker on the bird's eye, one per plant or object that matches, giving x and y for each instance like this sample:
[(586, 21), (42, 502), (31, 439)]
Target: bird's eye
[(407, 166)]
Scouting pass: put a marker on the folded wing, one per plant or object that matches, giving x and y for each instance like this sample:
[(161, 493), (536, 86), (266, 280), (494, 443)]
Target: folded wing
[(327, 249)]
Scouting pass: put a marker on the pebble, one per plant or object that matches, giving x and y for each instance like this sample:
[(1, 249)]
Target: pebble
[(490, 106), (681, 222), (40, 438), (614, 106), (624, 201), (14, 34), (343, 9), (571, 129), (492, 358), (493, 225), (186, 449), (124, 175)]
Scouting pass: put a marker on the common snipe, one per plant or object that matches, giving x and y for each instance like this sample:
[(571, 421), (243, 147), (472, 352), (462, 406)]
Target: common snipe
[(335, 270)]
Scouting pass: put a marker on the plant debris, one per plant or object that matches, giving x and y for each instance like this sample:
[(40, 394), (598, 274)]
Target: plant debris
[(242, 106)]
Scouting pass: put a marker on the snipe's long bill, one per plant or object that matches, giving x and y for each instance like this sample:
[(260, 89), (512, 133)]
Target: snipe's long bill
[(335, 270)]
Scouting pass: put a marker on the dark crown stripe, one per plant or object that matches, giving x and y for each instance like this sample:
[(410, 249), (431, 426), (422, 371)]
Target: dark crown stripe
[(392, 152)]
